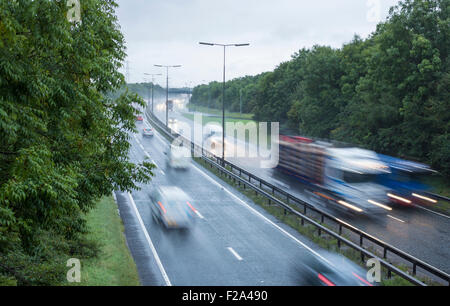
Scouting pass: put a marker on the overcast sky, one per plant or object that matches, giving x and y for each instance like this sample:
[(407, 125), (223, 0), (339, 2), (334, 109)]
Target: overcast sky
[(167, 32)]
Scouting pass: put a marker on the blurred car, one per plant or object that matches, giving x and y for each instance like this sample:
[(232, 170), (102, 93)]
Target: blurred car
[(335, 271), (172, 207), (147, 131), (172, 120), (139, 118), (179, 156)]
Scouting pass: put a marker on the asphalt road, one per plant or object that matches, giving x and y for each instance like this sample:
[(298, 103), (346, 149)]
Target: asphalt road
[(419, 232), (233, 242)]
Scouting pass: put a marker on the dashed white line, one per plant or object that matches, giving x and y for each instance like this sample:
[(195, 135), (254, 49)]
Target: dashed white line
[(150, 243), (400, 220), (257, 213), (234, 253), (199, 214)]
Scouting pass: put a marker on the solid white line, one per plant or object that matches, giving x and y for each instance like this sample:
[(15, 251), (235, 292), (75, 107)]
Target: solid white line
[(150, 243), (257, 213), (234, 253), (431, 211), (396, 218)]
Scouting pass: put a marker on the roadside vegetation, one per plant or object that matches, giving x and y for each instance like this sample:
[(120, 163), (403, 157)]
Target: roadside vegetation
[(64, 142), (218, 112), (113, 265), (388, 92)]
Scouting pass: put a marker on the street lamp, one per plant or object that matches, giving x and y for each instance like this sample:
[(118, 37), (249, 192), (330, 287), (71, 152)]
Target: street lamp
[(223, 88), (153, 82), (167, 87)]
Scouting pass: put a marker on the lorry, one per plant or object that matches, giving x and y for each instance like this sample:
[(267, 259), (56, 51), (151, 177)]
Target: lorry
[(406, 180), (343, 177)]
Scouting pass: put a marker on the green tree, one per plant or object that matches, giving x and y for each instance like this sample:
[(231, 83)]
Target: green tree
[(63, 141)]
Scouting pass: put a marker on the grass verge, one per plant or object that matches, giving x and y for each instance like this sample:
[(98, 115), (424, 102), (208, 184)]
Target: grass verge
[(114, 265), (214, 111)]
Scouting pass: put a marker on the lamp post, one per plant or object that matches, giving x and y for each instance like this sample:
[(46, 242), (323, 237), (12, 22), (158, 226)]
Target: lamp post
[(167, 87), (153, 82), (223, 88)]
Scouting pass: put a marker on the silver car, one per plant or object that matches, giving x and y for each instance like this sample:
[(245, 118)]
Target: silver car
[(172, 207), (147, 131)]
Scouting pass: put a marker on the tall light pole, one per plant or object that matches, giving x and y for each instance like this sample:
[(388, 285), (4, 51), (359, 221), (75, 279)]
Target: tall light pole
[(223, 88), (167, 87), (153, 82)]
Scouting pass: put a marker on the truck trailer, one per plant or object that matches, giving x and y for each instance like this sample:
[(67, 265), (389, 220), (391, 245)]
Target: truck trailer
[(343, 177)]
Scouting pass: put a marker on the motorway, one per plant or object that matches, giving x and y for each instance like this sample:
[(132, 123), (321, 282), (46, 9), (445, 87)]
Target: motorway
[(419, 232), (233, 242)]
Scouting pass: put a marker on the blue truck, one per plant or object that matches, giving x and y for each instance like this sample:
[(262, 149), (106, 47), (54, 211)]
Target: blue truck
[(406, 180)]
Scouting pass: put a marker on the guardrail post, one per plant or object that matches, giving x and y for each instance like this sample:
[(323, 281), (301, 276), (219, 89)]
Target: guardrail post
[(360, 240), (414, 269)]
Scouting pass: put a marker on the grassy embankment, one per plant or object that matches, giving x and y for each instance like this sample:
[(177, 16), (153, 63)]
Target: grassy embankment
[(218, 112), (114, 265)]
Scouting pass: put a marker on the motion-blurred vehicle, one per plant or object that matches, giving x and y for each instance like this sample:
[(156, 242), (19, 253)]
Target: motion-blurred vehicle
[(172, 120), (170, 104), (172, 207), (179, 156), (212, 139), (335, 271), (406, 181), (147, 131), (139, 118), (344, 177)]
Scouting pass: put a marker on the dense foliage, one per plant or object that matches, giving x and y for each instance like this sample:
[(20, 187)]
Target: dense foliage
[(389, 92), (63, 142)]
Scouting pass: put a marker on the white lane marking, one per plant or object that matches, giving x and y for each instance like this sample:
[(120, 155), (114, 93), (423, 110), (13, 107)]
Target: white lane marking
[(162, 172), (257, 213), (396, 218), (234, 253), (150, 243), (199, 214), (142, 147), (432, 211)]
